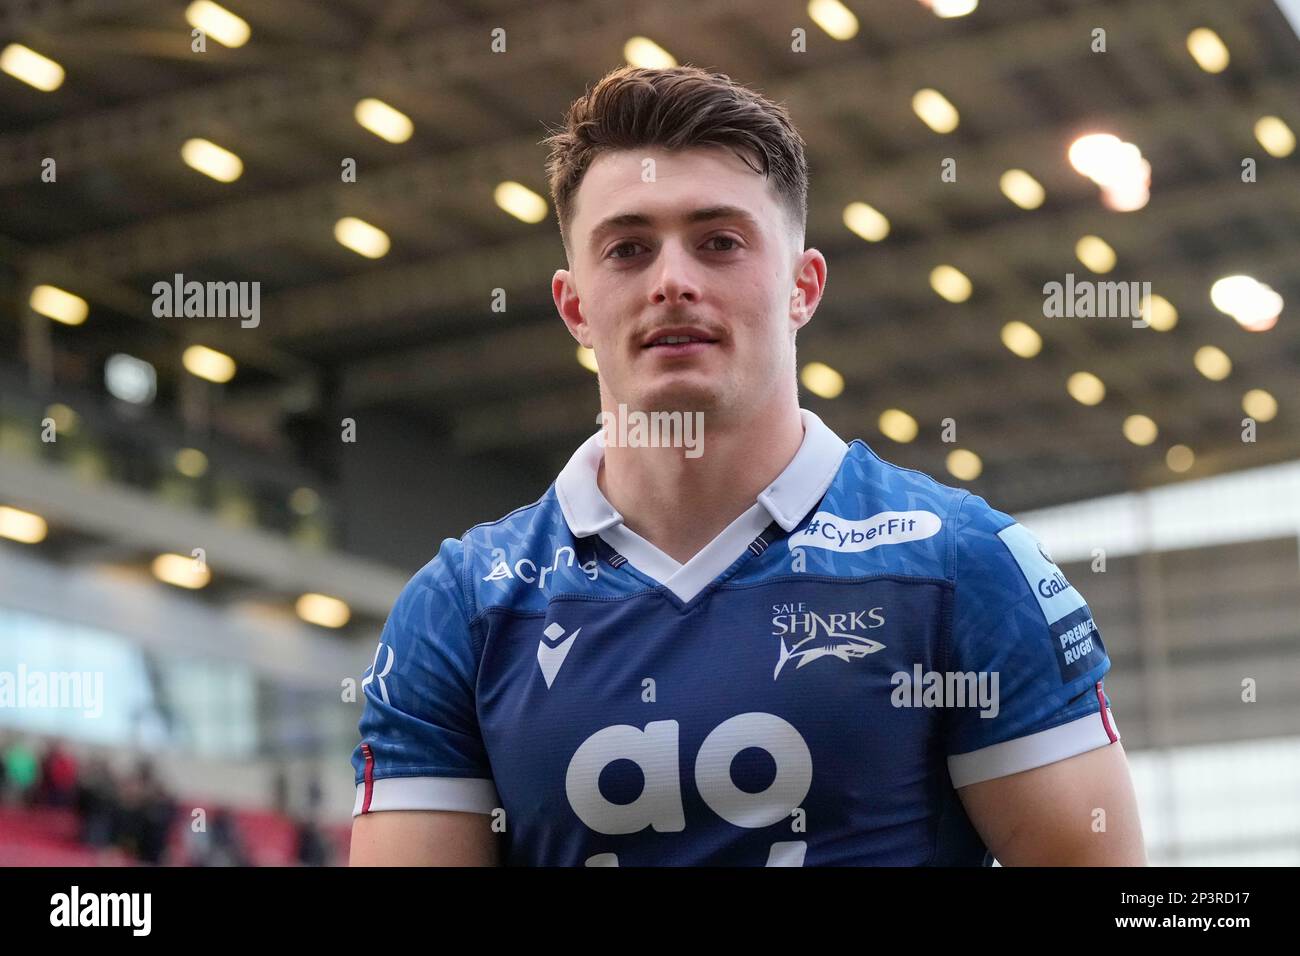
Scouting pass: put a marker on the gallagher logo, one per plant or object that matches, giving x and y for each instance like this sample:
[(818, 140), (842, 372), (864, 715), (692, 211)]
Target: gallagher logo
[(1054, 585), (807, 636)]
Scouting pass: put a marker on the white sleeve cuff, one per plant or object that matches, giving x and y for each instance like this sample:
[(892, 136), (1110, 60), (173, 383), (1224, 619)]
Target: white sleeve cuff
[(464, 794), (1035, 750)]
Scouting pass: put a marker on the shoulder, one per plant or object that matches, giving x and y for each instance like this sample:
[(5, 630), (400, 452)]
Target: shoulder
[(445, 596), (519, 561), (873, 503), (866, 472)]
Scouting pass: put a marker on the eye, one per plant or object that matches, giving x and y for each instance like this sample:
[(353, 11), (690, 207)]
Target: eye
[(622, 245), (730, 239)]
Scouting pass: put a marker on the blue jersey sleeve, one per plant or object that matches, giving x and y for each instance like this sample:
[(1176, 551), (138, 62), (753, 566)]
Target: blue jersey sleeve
[(420, 743), (1024, 630)]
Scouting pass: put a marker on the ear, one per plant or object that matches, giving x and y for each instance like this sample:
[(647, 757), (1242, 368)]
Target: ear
[(809, 284), (565, 294)]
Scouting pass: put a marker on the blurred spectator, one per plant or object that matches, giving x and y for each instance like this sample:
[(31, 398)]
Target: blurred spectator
[(96, 803), (219, 844), (146, 815), (132, 816), (280, 792), (58, 784), (312, 848), (21, 771)]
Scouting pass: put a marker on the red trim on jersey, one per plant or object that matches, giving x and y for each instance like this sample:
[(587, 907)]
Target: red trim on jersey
[(1105, 718), (370, 777)]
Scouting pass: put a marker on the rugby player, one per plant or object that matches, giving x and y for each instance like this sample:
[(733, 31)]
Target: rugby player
[(770, 648)]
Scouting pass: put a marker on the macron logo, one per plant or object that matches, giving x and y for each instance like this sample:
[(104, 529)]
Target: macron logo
[(552, 650), (862, 534)]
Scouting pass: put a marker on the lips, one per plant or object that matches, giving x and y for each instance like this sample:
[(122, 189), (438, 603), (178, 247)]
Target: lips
[(676, 338)]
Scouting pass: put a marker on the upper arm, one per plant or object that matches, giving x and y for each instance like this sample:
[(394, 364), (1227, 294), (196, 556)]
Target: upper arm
[(1045, 754), (1076, 812), (424, 782), (423, 838)]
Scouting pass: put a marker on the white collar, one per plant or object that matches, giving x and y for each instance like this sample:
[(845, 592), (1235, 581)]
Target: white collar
[(786, 501)]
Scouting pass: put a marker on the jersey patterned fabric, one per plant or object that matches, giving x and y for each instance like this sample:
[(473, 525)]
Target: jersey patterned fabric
[(810, 689)]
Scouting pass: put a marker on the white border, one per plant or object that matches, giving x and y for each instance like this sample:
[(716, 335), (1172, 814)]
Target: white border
[(1035, 750), (464, 794)]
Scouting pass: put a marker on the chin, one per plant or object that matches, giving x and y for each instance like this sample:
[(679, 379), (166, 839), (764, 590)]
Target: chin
[(682, 396)]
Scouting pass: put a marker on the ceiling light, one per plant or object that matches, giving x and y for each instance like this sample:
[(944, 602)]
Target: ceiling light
[(1159, 313), (180, 571), (130, 379), (1259, 405), (1095, 253), (383, 120), (520, 201), (1140, 430), (1209, 52), (323, 610), (1212, 362), (25, 64), (951, 8), (362, 238), (54, 303), (645, 53), (897, 425), (1255, 306), (822, 380), (206, 363), (866, 221), (1180, 458), (218, 22), (1021, 339), (950, 283), (1022, 189), (1085, 388), (1275, 136), (22, 526), (212, 160), (191, 462), (935, 110), (834, 17), (65, 419), (964, 465)]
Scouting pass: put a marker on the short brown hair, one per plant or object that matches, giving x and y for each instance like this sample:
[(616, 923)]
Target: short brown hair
[(677, 108)]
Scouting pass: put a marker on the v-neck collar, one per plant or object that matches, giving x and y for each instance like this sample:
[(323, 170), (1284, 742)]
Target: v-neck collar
[(786, 501)]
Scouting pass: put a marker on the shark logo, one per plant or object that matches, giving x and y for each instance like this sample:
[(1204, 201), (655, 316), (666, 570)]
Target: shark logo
[(807, 636)]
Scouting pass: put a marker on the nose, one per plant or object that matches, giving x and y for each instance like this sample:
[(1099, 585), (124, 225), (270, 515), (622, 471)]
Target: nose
[(674, 279)]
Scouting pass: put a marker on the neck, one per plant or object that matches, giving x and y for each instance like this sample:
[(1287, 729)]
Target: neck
[(680, 504)]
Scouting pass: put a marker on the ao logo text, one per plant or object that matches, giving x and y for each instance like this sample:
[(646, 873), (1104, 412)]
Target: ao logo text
[(655, 751)]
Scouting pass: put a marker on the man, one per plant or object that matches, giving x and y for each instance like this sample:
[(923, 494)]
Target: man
[(771, 648)]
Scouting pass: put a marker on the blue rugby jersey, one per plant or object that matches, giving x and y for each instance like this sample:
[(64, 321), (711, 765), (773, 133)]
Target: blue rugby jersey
[(809, 689)]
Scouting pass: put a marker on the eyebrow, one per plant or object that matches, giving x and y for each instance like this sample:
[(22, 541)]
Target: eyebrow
[(705, 214)]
